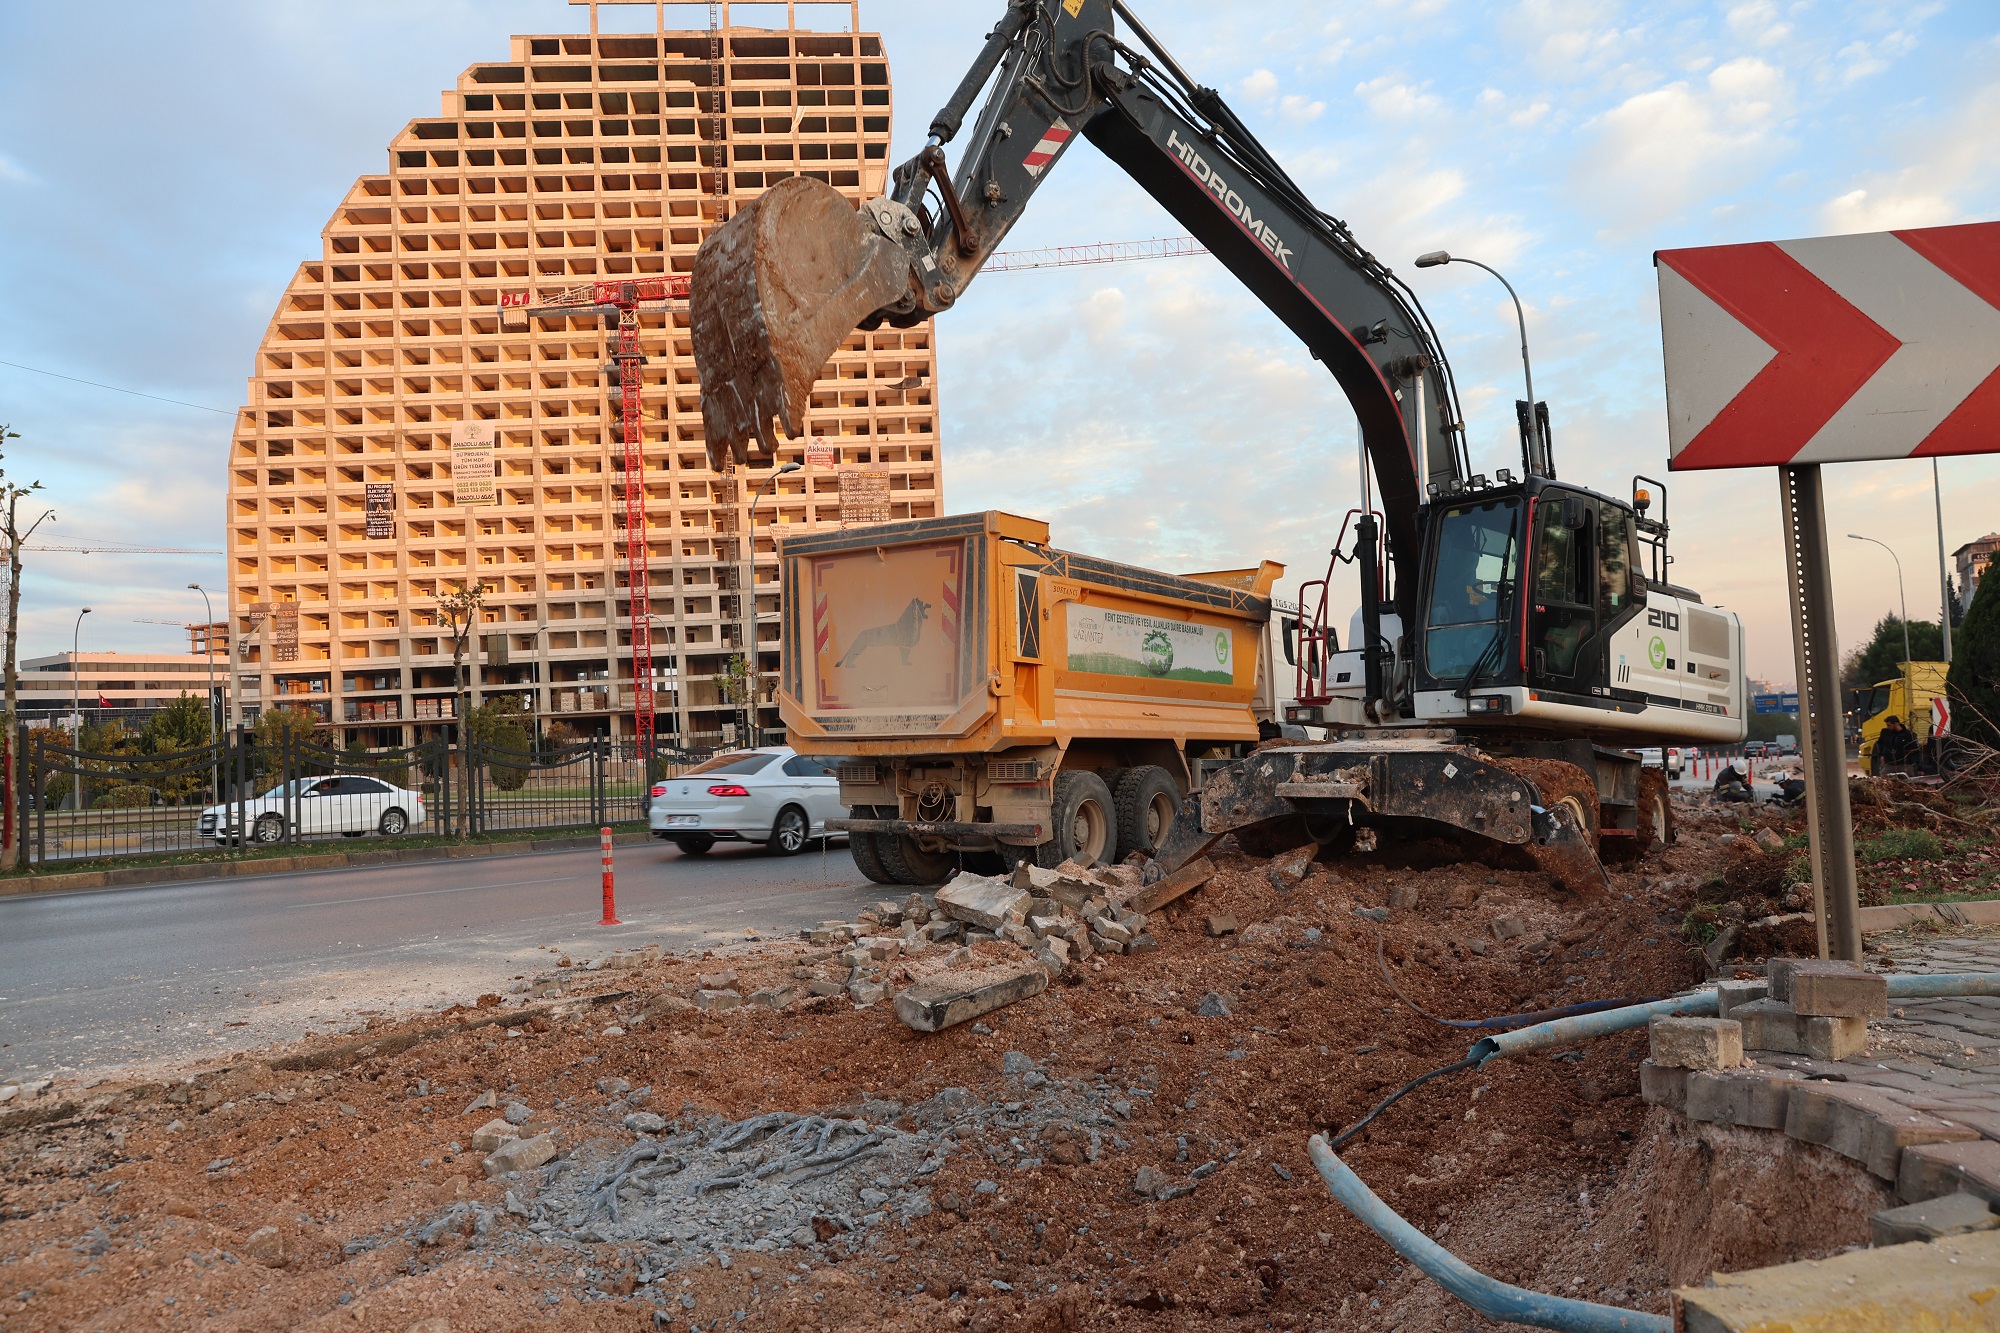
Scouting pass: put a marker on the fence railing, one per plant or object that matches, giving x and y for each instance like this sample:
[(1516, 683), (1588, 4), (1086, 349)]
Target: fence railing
[(241, 794)]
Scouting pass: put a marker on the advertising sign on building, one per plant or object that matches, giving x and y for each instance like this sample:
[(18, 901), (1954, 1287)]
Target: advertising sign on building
[(819, 453), (864, 497), (472, 469), (286, 647), (381, 508)]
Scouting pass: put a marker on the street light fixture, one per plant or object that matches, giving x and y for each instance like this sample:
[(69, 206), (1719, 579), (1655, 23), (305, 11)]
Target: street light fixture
[(1901, 600), (1439, 258), (751, 729)]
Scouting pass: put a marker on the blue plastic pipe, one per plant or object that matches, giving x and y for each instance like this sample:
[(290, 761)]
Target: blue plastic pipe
[(1564, 1031), (1492, 1298)]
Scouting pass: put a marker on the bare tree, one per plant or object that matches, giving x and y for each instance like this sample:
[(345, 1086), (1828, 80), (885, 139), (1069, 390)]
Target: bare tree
[(461, 611), (11, 495)]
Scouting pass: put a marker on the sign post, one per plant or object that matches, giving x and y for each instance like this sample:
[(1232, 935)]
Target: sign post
[(1791, 354)]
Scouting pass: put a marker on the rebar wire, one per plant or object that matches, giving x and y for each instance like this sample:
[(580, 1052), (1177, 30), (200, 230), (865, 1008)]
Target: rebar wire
[(1504, 1021)]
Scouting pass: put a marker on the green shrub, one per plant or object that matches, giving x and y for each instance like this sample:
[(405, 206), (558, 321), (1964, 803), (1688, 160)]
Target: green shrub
[(124, 798), (1902, 844), (1799, 869)]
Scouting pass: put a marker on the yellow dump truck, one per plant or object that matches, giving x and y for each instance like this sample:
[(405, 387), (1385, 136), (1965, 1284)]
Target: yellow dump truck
[(1907, 696), (992, 696)]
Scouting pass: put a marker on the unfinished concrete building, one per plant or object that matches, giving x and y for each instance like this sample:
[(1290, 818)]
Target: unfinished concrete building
[(578, 158)]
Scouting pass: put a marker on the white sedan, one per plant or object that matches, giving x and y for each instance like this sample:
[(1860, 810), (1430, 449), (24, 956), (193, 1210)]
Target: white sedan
[(344, 803), (775, 796)]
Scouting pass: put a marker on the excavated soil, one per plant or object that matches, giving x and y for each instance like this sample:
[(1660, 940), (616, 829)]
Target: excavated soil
[(331, 1184)]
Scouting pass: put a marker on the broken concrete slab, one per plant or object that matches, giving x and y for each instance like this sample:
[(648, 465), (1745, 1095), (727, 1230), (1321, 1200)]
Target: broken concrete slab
[(1053, 955), (521, 1155), (950, 998), (1948, 1215), (1696, 1043), (492, 1134), (863, 992), (774, 997), (716, 1001), (1931, 1169), (485, 1101), (723, 980), (1071, 889), (1184, 881), (983, 901)]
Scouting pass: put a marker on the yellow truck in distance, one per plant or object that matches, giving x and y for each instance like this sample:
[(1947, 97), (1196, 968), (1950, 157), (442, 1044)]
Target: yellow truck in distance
[(1907, 696), (992, 696)]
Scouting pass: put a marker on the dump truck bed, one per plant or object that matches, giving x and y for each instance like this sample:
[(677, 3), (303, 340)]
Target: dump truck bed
[(970, 634)]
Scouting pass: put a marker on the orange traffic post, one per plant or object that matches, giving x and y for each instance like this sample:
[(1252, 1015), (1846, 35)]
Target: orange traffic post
[(610, 899)]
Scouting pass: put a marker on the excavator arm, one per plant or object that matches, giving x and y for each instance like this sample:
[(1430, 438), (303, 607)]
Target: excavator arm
[(779, 286)]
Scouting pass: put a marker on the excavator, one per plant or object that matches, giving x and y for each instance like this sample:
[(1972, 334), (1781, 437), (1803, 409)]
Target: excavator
[(1516, 636)]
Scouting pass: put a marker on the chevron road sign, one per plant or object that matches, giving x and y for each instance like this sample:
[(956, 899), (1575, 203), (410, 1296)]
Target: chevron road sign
[(1833, 349)]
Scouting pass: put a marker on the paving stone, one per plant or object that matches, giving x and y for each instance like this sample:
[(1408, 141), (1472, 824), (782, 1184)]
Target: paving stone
[(1948, 1215), (723, 980), (1663, 1086), (1828, 994), (1696, 1043), (981, 901), (1866, 1125), (1781, 971), (1772, 1025), (865, 992), (1221, 923), (1729, 994), (1946, 1284), (1747, 1098), (1931, 1169), (520, 1155), (952, 998)]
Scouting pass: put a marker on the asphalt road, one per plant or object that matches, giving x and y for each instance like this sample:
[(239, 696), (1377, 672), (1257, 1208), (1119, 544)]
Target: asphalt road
[(173, 973)]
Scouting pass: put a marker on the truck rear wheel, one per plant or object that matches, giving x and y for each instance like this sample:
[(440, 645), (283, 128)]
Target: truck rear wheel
[(865, 849), (1083, 822), (1146, 801), (911, 864)]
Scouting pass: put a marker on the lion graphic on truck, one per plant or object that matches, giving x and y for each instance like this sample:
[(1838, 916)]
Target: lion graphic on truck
[(901, 633)]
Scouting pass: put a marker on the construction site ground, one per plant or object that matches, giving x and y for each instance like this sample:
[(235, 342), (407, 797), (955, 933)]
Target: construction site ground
[(1125, 1149)]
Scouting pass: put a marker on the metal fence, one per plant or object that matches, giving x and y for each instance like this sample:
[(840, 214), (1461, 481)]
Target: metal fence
[(76, 805)]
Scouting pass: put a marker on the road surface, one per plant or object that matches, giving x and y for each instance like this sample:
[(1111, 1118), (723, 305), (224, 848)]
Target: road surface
[(176, 973)]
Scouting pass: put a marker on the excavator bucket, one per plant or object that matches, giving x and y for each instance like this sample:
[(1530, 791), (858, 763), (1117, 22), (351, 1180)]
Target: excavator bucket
[(774, 291)]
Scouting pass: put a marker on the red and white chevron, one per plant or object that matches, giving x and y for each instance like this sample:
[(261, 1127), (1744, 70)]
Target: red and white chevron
[(1045, 151), (1833, 349)]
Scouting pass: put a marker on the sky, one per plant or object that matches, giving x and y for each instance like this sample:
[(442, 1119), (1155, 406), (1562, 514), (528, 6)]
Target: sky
[(164, 168)]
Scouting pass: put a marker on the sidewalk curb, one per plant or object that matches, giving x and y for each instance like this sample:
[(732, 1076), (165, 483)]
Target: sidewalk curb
[(139, 876), (1985, 912)]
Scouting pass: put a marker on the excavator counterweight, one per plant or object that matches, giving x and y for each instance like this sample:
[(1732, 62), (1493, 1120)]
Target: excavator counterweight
[(775, 290)]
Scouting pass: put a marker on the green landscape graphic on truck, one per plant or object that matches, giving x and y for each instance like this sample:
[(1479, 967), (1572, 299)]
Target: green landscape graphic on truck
[(1124, 643)]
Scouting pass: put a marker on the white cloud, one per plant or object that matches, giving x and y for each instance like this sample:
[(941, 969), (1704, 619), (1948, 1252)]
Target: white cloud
[(1950, 163), (1662, 151), (1300, 110), (1393, 99), (1757, 22), (1260, 86)]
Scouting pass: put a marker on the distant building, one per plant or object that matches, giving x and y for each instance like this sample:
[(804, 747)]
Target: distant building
[(1972, 560), (128, 686)]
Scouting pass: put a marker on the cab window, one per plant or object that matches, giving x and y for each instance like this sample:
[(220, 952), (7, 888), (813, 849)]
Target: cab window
[(1614, 560)]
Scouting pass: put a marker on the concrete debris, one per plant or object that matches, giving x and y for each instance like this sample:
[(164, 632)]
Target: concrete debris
[(1835, 990), (613, 1087), (1220, 924), (936, 1004), (866, 992), (492, 1134), (1405, 897), (1769, 840), (485, 1101), (774, 997), (1951, 1215), (521, 1155), (1289, 869), (267, 1246), (1507, 927), (1773, 1025), (1182, 882), (643, 1122), (1212, 1006), (514, 1113), (715, 1001), (723, 980), (983, 901)]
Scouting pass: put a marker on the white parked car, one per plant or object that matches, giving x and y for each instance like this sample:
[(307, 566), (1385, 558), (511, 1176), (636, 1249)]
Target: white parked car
[(1670, 760), (774, 795), (344, 803)]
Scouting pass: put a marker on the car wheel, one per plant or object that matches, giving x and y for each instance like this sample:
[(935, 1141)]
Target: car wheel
[(1083, 820), (697, 845), (394, 823), (788, 834), (1146, 800), (268, 828)]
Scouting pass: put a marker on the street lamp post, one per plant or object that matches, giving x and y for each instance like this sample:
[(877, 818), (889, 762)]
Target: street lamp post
[(1439, 258), (752, 728), (1944, 579), (1901, 600), (75, 693), (208, 609)]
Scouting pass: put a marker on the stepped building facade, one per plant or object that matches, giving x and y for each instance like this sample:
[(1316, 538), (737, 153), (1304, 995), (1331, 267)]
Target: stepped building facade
[(577, 159)]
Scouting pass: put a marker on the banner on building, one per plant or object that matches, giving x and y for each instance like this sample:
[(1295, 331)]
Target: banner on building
[(381, 506), (864, 497), (819, 453), (286, 645), (472, 469)]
